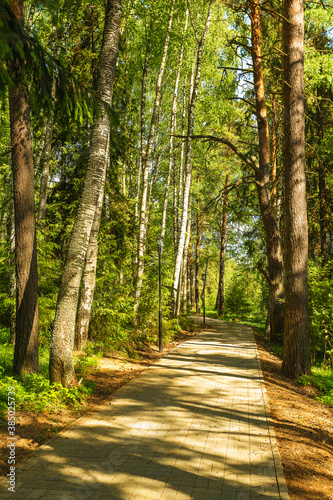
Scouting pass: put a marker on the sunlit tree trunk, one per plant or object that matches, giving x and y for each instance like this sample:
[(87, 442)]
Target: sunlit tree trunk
[(181, 302), (296, 356), (273, 239), (220, 293), (274, 151), (88, 280), (191, 273), (188, 157), (62, 343), (197, 261), (146, 158), (172, 163), (26, 336)]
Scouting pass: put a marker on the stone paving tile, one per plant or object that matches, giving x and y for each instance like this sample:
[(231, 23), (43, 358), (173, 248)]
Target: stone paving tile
[(193, 426)]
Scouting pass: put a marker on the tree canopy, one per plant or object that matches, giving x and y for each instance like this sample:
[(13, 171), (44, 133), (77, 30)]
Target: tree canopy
[(174, 120)]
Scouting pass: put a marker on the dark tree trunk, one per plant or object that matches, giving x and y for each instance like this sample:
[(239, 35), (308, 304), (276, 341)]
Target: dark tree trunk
[(26, 336), (220, 293), (274, 249), (62, 343), (296, 356)]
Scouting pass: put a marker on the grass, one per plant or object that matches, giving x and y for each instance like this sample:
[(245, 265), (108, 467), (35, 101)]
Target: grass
[(34, 392), (323, 381)]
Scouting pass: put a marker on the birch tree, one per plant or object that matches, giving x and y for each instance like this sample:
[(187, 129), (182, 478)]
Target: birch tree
[(62, 343), (188, 157), (146, 158), (172, 167)]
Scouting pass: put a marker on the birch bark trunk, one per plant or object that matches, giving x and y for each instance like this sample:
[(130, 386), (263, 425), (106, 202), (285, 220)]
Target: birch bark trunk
[(191, 273), (146, 158), (88, 279), (197, 261), (188, 157), (173, 122), (62, 343)]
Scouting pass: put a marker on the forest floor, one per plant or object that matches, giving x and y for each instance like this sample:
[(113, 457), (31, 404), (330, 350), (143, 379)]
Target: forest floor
[(304, 431), (303, 426)]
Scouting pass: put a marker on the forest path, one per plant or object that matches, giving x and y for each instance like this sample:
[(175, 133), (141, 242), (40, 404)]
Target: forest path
[(195, 425)]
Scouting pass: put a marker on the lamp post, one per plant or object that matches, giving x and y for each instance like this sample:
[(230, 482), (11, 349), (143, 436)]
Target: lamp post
[(159, 247)]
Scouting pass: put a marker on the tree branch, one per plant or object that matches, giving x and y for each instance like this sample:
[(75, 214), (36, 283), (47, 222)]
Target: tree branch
[(251, 162), (264, 273), (236, 69), (192, 22)]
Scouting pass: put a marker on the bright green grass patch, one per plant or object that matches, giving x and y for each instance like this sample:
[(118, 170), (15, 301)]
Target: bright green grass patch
[(34, 392), (322, 380)]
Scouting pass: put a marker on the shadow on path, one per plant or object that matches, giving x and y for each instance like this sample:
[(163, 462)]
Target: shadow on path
[(193, 426)]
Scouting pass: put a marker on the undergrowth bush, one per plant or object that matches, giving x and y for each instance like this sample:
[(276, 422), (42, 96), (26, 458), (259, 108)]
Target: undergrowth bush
[(34, 393), (322, 380), (321, 312)]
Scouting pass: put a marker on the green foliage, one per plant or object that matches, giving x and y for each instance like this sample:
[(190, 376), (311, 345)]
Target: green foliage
[(321, 311), (323, 381), (36, 394), (84, 364), (243, 295)]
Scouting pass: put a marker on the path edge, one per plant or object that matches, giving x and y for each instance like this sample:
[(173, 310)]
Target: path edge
[(280, 477)]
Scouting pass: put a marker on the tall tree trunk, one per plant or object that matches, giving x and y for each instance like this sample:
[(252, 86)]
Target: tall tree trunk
[(173, 122), (61, 355), (146, 157), (296, 356), (274, 144), (322, 180), (88, 280), (273, 239), (197, 261), (48, 135), (188, 157), (26, 344), (191, 273), (220, 292), (181, 304), (12, 279)]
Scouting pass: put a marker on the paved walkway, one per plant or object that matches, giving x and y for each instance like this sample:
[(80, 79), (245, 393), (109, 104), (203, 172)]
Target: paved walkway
[(193, 426)]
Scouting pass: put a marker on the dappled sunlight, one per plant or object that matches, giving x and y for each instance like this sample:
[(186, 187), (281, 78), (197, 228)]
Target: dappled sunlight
[(194, 425)]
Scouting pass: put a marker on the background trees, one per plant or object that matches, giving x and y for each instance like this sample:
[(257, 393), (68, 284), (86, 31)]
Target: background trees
[(189, 147)]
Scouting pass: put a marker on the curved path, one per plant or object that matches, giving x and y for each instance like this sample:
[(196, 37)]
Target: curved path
[(192, 426)]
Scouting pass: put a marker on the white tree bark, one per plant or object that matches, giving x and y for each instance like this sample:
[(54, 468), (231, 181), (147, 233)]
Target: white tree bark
[(172, 131), (188, 156), (62, 342), (88, 279), (146, 159)]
